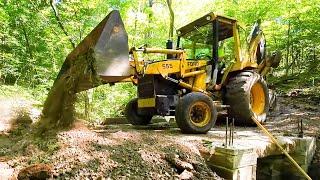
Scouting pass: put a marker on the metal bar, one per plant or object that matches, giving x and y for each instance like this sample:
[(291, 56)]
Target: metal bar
[(162, 51), (188, 86), (194, 73), (215, 29), (227, 122), (172, 80), (300, 129), (230, 131), (280, 147), (215, 55), (237, 43)]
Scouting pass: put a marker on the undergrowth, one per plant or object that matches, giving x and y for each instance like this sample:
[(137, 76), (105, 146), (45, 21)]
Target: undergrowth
[(104, 101)]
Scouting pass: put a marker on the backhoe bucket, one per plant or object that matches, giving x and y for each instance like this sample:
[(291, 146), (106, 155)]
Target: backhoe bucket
[(104, 52)]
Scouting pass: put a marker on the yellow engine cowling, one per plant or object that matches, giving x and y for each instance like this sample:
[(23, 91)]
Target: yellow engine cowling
[(192, 73)]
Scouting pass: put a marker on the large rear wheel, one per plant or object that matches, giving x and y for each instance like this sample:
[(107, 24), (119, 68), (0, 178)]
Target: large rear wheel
[(132, 115), (247, 95), (195, 113)]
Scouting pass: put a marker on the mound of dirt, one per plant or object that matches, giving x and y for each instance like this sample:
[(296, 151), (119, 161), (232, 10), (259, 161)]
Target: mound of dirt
[(116, 153), (126, 154)]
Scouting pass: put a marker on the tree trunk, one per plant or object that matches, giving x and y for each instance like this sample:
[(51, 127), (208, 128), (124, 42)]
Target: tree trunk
[(86, 105), (302, 58), (292, 59), (288, 49), (56, 15), (314, 54), (171, 28), (148, 32), (26, 37)]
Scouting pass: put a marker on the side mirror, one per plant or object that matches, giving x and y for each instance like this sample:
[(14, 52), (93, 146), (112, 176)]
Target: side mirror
[(261, 50)]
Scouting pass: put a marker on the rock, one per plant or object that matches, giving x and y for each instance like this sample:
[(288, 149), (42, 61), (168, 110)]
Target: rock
[(100, 178), (186, 175), (294, 92), (179, 164), (5, 171), (37, 171), (185, 165)]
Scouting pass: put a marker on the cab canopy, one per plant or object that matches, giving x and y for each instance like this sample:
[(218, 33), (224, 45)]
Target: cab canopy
[(224, 27)]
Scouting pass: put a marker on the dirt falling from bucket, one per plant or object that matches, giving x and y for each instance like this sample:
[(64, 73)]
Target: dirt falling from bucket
[(59, 107), (107, 46)]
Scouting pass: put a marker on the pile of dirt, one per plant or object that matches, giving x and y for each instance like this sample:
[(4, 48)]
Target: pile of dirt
[(82, 153), (126, 154)]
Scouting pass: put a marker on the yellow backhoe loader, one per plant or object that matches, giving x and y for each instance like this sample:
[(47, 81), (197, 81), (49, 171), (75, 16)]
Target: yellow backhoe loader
[(188, 83)]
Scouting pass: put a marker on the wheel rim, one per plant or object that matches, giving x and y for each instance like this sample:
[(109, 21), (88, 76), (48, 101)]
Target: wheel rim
[(257, 99), (200, 114)]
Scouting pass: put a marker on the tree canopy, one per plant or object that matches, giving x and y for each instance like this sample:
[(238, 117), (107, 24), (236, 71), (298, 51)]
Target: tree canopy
[(37, 35)]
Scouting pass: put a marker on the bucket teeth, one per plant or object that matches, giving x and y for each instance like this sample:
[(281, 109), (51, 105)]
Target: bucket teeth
[(103, 52)]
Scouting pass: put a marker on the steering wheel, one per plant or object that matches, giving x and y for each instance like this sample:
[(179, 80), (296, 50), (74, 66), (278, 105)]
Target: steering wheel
[(203, 56)]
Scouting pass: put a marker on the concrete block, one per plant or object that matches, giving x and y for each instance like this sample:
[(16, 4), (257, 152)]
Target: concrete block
[(305, 149), (240, 162), (243, 173), (233, 158)]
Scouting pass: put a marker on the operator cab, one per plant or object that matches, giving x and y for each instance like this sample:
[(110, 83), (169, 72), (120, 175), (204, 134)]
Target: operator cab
[(200, 39)]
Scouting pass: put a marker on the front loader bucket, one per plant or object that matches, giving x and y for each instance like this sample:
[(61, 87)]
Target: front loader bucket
[(104, 52), (102, 57)]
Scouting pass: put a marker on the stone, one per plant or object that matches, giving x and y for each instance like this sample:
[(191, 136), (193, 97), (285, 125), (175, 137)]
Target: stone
[(36, 171), (186, 175), (6, 172)]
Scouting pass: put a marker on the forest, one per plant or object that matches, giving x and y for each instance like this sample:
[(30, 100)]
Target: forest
[(36, 37)]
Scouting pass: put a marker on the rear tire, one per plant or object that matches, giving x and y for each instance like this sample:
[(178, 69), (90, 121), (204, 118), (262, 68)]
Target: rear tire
[(195, 113), (133, 117), (247, 95)]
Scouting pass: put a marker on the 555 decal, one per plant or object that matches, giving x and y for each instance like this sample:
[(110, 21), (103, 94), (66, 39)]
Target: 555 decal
[(167, 66)]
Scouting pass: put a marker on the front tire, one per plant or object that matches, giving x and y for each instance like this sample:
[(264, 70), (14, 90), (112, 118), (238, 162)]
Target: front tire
[(195, 113), (132, 115), (247, 95)]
